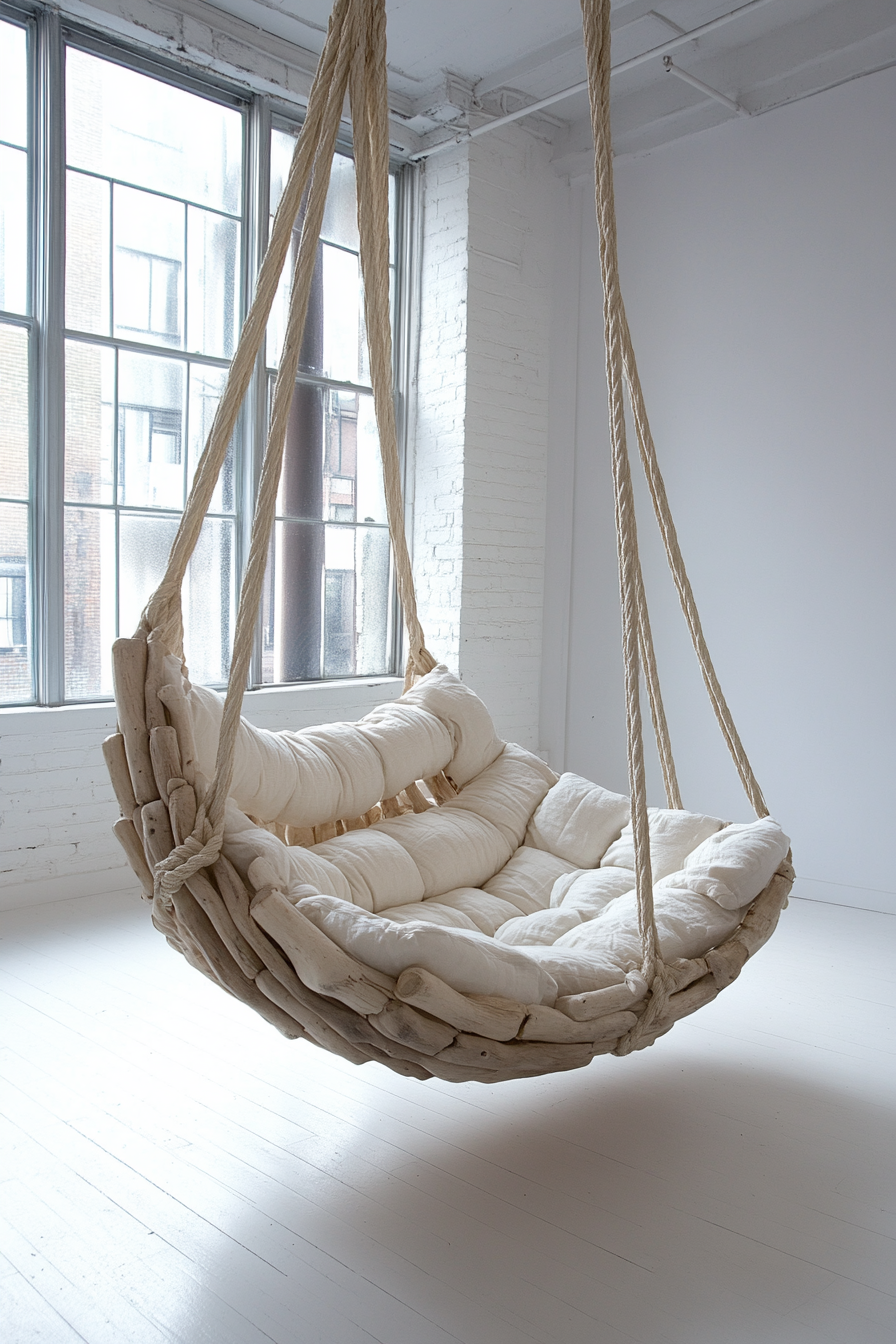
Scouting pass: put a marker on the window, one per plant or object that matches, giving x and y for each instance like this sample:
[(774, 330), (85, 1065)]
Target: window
[(331, 518), (121, 341), (16, 345)]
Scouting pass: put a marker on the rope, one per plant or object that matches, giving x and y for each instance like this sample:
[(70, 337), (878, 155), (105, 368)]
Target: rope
[(636, 634), (354, 61), (370, 120), (596, 20)]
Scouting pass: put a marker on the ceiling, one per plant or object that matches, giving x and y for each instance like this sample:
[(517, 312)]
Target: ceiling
[(458, 64)]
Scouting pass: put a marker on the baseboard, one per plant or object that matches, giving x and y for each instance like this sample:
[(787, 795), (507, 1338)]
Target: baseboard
[(832, 893), (68, 887)]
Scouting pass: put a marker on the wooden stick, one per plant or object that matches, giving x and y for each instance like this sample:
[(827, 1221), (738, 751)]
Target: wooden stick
[(165, 756), (402, 1023), (546, 1024), (516, 1056), (156, 677), (117, 764), (599, 1002), (318, 962), (158, 838), (415, 797), (211, 902), (181, 809), (129, 678), (174, 698), (482, 1015), (688, 1000), (300, 835), (126, 834)]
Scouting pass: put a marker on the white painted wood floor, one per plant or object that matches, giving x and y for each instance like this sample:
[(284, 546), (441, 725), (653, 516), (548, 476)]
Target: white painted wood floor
[(176, 1171)]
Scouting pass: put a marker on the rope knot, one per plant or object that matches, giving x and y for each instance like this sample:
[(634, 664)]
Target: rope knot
[(661, 986), (199, 850)]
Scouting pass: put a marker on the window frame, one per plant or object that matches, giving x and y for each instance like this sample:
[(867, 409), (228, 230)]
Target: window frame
[(49, 34)]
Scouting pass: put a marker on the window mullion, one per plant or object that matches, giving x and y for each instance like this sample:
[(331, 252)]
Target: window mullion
[(254, 419), (49, 271)]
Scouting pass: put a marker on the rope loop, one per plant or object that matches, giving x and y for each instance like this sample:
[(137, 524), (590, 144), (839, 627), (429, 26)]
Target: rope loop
[(661, 985), (199, 850)]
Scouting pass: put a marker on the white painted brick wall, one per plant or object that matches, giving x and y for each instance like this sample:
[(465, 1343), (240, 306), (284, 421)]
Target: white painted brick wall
[(482, 421)]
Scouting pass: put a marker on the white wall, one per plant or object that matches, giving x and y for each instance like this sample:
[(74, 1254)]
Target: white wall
[(759, 269), (490, 242)]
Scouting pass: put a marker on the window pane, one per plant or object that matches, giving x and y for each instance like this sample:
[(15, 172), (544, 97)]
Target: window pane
[(208, 588), (13, 229), (139, 130), (87, 223), (89, 422), (15, 606), (148, 267), (213, 290), (150, 430), (14, 85), (206, 386), (14, 420), (90, 624)]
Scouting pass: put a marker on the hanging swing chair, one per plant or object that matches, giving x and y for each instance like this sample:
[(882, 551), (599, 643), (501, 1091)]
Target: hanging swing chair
[(408, 888)]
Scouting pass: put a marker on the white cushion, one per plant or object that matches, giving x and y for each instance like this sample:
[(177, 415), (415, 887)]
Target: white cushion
[(476, 744), (591, 891), (430, 912), (379, 871), (733, 866), (673, 834), (487, 912), (578, 820), (468, 961), (526, 881), (507, 792), (576, 970), (539, 929), (287, 866), (688, 925), (451, 847)]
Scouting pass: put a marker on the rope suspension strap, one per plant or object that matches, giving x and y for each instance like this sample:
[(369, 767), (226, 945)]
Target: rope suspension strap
[(596, 15), (354, 62), (636, 637)]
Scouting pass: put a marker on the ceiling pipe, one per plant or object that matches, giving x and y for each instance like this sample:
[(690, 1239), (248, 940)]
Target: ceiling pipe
[(672, 45), (710, 92)]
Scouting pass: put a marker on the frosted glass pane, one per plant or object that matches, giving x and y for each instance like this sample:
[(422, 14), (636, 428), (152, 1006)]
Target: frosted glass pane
[(341, 315), (341, 213), (148, 267), (90, 624), (150, 430), (212, 283), (140, 130), (13, 229), (370, 505), (372, 601), (208, 587), (209, 611), (14, 420), (87, 225), (206, 386), (15, 606), (144, 543), (89, 423), (14, 84)]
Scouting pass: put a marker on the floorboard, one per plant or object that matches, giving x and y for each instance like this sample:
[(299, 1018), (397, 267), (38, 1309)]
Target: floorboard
[(175, 1172)]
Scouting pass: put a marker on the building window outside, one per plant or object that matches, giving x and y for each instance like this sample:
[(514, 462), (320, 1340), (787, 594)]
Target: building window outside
[(156, 245)]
